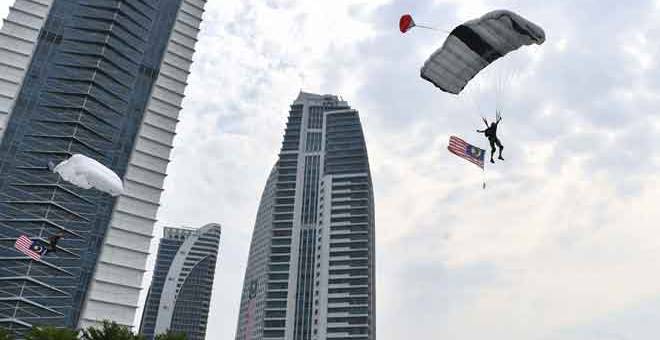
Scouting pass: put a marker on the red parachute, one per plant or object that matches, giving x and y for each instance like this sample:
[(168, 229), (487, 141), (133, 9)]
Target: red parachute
[(406, 22)]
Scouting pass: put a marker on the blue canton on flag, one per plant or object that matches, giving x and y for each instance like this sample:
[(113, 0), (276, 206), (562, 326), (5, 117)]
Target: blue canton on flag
[(34, 249)]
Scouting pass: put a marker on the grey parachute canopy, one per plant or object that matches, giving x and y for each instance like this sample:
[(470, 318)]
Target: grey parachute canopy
[(472, 46)]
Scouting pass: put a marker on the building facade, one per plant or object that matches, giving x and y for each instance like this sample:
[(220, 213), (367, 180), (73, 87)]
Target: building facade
[(182, 283), (310, 272), (104, 78)]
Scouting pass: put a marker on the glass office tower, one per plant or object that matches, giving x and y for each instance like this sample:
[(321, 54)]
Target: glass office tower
[(181, 286), (104, 78)]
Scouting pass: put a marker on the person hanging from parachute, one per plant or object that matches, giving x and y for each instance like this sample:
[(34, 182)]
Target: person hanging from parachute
[(491, 133), (472, 46), (52, 241)]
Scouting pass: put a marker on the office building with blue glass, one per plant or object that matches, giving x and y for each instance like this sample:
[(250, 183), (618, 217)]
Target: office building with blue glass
[(104, 78), (310, 272), (180, 292)]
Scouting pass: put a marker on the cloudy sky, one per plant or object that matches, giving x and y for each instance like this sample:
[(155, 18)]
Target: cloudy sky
[(562, 244)]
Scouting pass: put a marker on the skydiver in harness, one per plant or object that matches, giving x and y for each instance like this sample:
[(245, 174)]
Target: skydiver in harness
[(491, 134), (52, 241)]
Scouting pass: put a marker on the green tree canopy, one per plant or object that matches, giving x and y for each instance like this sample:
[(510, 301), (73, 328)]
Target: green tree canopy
[(5, 334), (171, 336), (110, 330), (51, 333)]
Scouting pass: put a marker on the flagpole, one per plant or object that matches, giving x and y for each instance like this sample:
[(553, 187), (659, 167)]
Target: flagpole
[(483, 171)]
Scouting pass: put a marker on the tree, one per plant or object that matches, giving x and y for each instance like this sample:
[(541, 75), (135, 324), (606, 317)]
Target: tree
[(170, 335), (6, 334), (110, 330), (51, 333)]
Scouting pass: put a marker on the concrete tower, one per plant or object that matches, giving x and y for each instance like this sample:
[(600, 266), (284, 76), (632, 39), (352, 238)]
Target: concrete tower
[(310, 272)]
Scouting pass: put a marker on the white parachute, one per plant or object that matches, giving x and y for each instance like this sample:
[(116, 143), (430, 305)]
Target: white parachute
[(88, 173)]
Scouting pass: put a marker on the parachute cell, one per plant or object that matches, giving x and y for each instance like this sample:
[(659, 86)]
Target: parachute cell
[(472, 46), (87, 173)]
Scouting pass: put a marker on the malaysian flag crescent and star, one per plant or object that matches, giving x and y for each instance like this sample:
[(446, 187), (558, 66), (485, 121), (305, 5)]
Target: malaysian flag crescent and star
[(34, 249), (466, 151)]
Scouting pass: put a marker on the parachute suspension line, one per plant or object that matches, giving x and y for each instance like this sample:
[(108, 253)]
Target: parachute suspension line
[(480, 109), (472, 96), (500, 95), (508, 73), (498, 92), (433, 28), (503, 80)]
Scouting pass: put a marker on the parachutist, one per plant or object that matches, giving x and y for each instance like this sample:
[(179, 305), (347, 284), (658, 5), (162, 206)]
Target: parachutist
[(491, 134), (52, 241)]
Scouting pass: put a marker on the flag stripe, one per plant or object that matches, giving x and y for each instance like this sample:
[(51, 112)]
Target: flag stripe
[(475, 161), (250, 316), (460, 148), (24, 244)]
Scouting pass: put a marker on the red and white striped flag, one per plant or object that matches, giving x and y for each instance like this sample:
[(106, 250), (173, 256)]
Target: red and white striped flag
[(466, 151), (33, 249), (252, 302)]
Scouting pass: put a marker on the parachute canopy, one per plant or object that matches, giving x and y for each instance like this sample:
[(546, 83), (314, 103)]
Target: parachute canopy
[(406, 22), (87, 173), (472, 46)]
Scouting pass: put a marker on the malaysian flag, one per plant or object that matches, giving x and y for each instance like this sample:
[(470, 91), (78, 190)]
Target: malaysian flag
[(252, 296), (467, 151), (34, 249)]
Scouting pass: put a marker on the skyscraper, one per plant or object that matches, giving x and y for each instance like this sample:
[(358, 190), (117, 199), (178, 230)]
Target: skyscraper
[(181, 287), (104, 78), (310, 272)]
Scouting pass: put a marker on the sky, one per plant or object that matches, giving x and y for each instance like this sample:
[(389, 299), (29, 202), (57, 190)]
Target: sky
[(563, 242)]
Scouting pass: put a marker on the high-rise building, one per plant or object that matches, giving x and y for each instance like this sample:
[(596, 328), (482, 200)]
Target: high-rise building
[(310, 272), (104, 78), (181, 286)]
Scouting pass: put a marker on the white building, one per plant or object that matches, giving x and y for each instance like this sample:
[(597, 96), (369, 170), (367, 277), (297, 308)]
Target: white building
[(182, 283), (310, 272)]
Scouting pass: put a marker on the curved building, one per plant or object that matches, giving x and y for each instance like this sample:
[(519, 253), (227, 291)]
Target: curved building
[(182, 283), (310, 272)]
